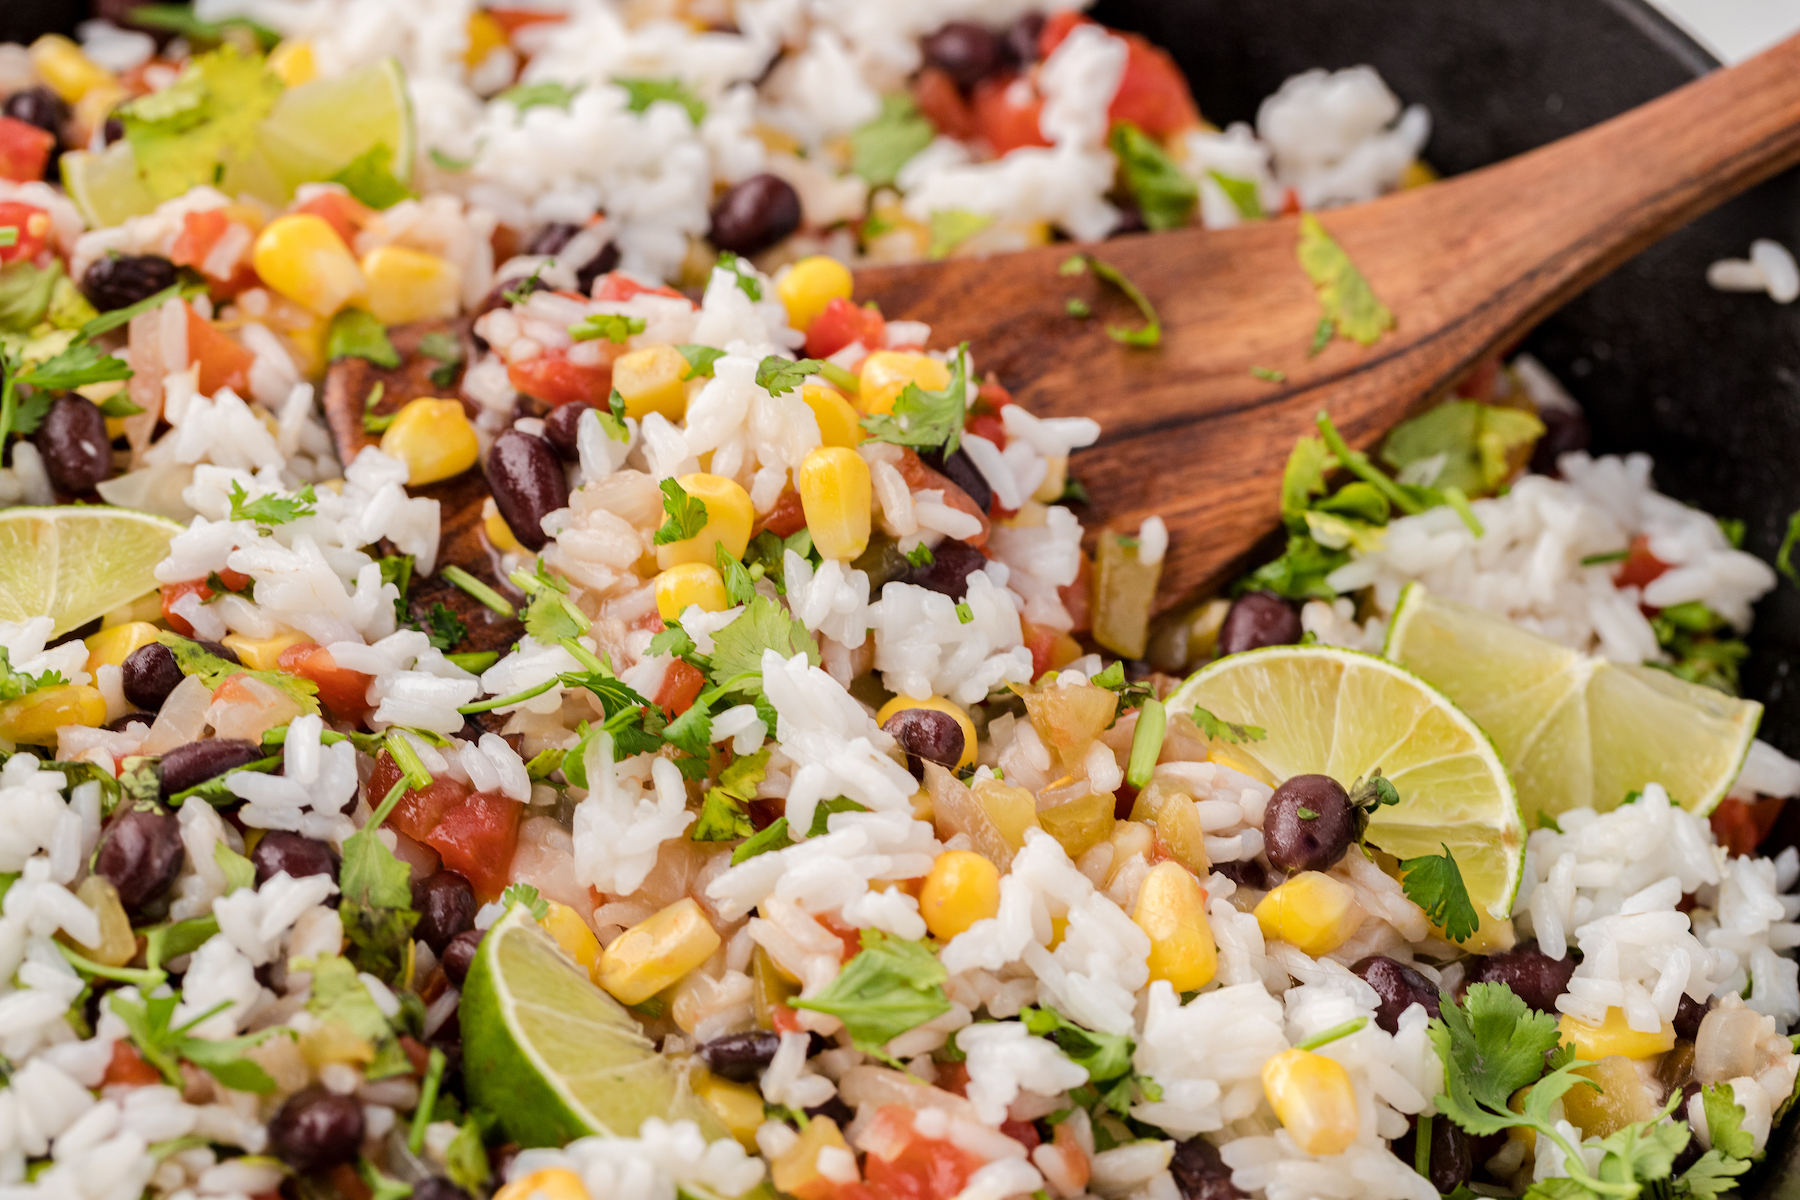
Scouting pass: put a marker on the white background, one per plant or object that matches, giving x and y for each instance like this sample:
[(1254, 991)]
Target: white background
[(1734, 29)]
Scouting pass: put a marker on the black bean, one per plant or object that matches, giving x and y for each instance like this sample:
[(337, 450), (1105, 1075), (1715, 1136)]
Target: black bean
[(140, 855), (118, 724), (1452, 1160), (560, 429), (1246, 873), (219, 650), (459, 955), (121, 280), (1023, 37), (1309, 824), (964, 51), (195, 763), (278, 851), (1688, 1015), (317, 1129), (1200, 1173), (72, 440), (552, 238), (755, 214), (446, 906), (1534, 976), (595, 267), (1131, 218), (38, 106), (1259, 619), (149, 674), (1690, 1153), (836, 1110), (529, 407), (1565, 430), (528, 483), (927, 735), (112, 130), (960, 469), (952, 562), (1399, 986), (433, 1188), (741, 1057)]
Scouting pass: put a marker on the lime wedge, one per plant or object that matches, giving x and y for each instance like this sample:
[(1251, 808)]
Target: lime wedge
[(106, 186), (553, 1055), (1576, 731), (318, 128), (1335, 712), (77, 562)]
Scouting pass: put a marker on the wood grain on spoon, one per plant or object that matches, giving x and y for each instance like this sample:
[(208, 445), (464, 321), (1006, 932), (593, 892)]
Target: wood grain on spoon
[(1467, 266)]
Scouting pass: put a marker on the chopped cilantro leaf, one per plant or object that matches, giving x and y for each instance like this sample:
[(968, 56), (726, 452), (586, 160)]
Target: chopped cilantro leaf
[(370, 178), (722, 814), (185, 134), (743, 274), (1226, 731), (686, 515), (449, 355), (778, 376), (763, 625), (879, 148), (1435, 884), (524, 893), (1268, 374), (927, 419), (700, 360), (1146, 336), (1349, 303), (1244, 194), (951, 227), (642, 93), (442, 626), (521, 291), (891, 986), (739, 587), (355, 333), (614, 327), (14, 684), (1165, 194), (271, 509), (547, 94), (920, 555)]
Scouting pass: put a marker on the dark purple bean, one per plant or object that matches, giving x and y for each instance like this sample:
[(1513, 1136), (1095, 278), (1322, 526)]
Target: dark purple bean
[(433, 1188), (964, 51), (1259, 619), (1247, 873), (459, 955), (595, 267), (755, 214), (834, 1109), (140, 855), (219, 650), (121, 280), (1452, 1161), (1534, 976), (741, 1057), (1309, 824), (552, 238), (1688, 1015), (1200, 1173), (1399, 986), (317, 1129), (72, 440), (195, 763), (528, 484), (118, 724), (149, 674), (952, 562), (927, 735), (446, 906), (1565, 430), (1131, 218), (1023, 37), (529, 408), (960, 469), (113, 130), (560, 431), (38, 106), (278, 851)]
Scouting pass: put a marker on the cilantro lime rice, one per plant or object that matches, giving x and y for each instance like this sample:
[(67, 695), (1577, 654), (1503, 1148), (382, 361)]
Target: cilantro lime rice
[(518, 683)]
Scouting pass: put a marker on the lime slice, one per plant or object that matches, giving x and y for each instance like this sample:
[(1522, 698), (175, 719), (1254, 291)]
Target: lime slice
[(553, 1055), (1335, 712), (106, 186), (1576, 731), (77, 562), (318, 128)]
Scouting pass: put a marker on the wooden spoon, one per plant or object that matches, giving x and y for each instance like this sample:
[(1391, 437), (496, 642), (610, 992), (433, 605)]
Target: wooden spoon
[(1467, 266)]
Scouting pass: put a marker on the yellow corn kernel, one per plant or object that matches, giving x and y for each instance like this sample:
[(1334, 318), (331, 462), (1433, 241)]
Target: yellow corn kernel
[(263, 654), (1493, 935), (1056, 479), (690, 583), (962, 888), (499, 533), (770, 988), (1171, 908), (1614, 1036), (1312, 911), (111, 647), (656, 952), (486, 35), (68, 72), (146, 608), (117, 945), (1620, 1098), (738, 1106), (1314, 1098), (838, 498), (410, 285), (795, 1171), (433, 438), (302, 257), (886, 373), (943, 705), (652, 380), (293, 63), (335, 1042), (836, 416), (35, 717), (729, 516), (810, 285), (572, 934), (552, 1183)]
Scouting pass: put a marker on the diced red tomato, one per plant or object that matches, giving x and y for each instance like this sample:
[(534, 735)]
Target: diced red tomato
[(785, 1019), (223, 362), (920, 477), (1153, 94), (419, 810), (344, 213), (200, 235), (478, 838), (1007, 109), (841, 323), (348, 1183), (847, 934), (1040, 640), (616, 285), (1057, 27), (343, 692), (943, 105), (987, 425), (1022, 1132), (234, 581), (24, 150), (128, 1069), (514, 19), (33, 226), (173, 592), (788, 517), (992, 397), (902, 1164), (680, 687), (1640, 567), (552, 378), (1290, 203), (1077, 597), (1742, 825)]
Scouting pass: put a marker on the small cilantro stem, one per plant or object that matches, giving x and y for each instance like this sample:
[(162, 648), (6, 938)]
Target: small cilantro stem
[(144, 978), (481, 592), (474, 661), (1421, 1145), (1358, 464), (581, 654), (407, 759), (1326, 1037), (1459, 501), (482, 706), (428, 1093), (840, 378), (1611, 556), (1146, 743), (386, 807)]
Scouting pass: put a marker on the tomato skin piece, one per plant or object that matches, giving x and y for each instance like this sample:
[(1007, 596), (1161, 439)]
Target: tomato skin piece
[(345, 214), (418, 811), (788, 517), (1153, 94), (33, 224), (943, 105), (127, 1068), (24, 150), (173, 592), (1742, 825), (478, 838), (616, 285), (552, 378), (839, 324), (920, 1168), (343, 692), (1640, 568), (1040, 641), (1007, 111), (987, 425), (1077, 597), (223, 362), (680, 688)]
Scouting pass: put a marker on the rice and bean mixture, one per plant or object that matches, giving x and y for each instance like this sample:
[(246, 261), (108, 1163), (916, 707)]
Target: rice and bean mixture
[(564, 552)]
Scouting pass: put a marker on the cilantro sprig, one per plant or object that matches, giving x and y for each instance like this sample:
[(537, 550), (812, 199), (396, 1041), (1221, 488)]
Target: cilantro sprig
[(1435, 883), (723, 817), (1112, 1083), (686, 515), (271, 509), (166, 1048), (891, 986), (1220, 730), (927, 420)]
